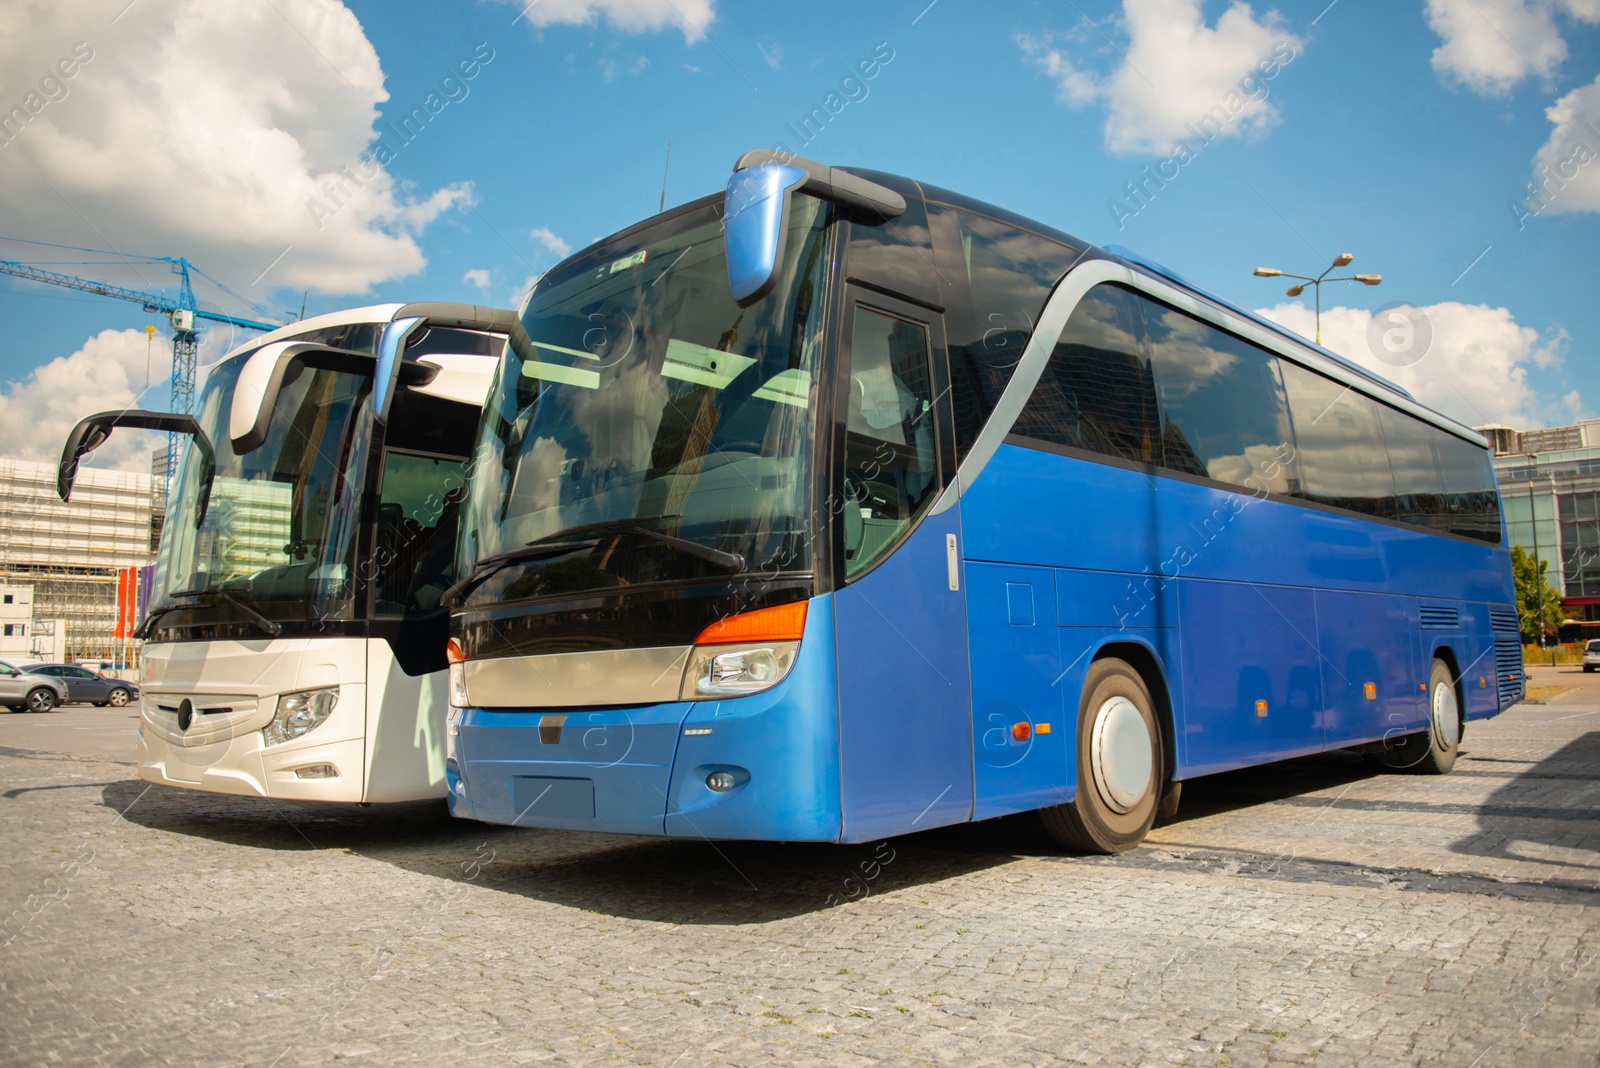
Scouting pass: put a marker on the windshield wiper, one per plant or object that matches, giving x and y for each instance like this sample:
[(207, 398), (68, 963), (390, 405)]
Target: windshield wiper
[(490, 564), (572, 539), (731, 561), (271, 626)]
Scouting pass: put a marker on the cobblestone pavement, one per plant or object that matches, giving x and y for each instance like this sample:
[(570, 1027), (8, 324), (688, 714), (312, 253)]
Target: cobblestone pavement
[(1313, 912)]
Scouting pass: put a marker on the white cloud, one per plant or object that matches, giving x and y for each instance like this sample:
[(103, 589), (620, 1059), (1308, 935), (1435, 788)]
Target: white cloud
[(515, 297), (1174, 70), (1491, 45), (550, 241), (773, 56), (691, 17), (207, 130), (1567, 168), (477, 277), (1475, 369), (108, 372)]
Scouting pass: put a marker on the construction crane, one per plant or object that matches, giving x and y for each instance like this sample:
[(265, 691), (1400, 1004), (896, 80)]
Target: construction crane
[(184, 313)]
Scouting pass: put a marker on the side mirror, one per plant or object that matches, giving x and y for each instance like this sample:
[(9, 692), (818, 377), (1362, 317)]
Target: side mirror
[(755, 221), (93, 431), (755, 216)]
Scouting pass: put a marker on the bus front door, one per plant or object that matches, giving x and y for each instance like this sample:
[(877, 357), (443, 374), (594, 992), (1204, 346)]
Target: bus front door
[(900, 628)]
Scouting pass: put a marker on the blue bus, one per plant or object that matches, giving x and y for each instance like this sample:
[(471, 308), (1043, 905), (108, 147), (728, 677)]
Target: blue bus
[(839, 506)]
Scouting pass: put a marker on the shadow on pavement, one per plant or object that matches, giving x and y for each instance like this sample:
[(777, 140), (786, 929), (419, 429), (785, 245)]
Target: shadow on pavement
[(714, 883), (1283, 781), (1546, 812), (664, 880)]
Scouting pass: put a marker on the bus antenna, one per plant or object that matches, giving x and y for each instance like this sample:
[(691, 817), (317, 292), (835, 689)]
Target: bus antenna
[(664, 169)]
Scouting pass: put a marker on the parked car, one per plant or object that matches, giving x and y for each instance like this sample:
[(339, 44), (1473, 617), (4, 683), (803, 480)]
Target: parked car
[(85, 685), (21, 689), (1591, 654)]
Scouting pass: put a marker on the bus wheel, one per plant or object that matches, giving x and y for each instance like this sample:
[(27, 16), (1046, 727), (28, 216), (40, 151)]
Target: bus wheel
[(1433, 751), (1119, 764)]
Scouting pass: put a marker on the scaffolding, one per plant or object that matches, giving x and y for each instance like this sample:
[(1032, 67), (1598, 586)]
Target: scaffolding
[(70, 553)]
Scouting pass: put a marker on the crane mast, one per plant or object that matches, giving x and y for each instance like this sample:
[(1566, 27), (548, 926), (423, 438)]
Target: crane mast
[(184, 313)]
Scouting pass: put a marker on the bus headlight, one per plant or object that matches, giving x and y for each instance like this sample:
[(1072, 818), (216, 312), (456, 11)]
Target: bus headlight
[(732, 671), (299, 713), (458, 686)]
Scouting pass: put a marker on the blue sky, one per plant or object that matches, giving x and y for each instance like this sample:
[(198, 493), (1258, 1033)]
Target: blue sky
[(1403, 132)]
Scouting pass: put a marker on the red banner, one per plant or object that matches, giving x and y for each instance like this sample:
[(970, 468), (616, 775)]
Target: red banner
[(127, 602)]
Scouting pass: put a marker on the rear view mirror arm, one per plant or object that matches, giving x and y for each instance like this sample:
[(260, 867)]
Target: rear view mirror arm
[(93, 431)]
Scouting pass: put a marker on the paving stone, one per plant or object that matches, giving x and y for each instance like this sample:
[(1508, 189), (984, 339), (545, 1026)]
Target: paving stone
[(1314, 912)]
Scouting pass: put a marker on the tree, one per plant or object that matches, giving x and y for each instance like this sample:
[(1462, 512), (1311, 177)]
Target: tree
[(1531, 605)]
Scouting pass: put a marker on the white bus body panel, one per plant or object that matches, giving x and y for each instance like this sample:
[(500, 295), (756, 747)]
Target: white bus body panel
[(405, 729), (233, 687)]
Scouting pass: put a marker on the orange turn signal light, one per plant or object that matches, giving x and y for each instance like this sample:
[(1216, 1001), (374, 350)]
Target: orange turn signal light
[(780, 623), (454, 653), (1370, 691), (1021, 731)]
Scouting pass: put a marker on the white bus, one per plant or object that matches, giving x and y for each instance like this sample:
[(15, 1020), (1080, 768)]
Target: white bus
[(295, 645)]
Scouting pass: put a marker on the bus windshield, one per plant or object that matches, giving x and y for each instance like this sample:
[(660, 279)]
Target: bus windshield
[(279, 534), (644, 427)]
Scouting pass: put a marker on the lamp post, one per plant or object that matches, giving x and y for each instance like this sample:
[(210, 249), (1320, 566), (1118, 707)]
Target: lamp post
[(1343, 260)]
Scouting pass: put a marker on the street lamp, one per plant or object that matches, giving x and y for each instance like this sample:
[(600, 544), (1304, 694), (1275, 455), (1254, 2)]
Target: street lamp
[(1343, 260)]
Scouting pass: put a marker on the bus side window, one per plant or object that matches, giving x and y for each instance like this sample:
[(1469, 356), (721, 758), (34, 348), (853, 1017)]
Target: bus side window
[(1225, 413), (1419, 491), (891, 464), (1339, 443), (1097, 392), (1472, 506), (1002, 278)]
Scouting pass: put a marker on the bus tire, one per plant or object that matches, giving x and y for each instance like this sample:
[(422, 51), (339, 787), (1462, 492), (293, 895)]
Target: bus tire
[(1120, 766), (1433, 751)]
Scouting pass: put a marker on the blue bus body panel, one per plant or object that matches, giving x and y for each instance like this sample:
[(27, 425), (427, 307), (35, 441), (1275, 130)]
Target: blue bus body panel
[(1357, 630), (1016, 675), (1332, 603), (782, 746), (1473, 643), (904, 704), (619, 759), (1252, 683)]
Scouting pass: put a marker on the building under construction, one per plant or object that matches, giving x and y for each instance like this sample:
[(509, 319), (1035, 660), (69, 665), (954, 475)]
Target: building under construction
[(70, 553)]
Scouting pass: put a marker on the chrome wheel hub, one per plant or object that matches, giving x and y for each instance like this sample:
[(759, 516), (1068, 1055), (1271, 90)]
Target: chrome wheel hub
[(1446, 722), (1120, 755)]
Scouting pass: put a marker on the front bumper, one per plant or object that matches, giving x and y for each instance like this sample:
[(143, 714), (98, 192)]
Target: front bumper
[(243, 765), (643, 769)]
